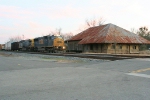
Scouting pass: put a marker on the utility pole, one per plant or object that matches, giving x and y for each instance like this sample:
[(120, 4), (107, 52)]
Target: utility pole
[(23, 36)]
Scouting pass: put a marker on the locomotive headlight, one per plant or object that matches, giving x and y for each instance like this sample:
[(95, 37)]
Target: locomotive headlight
[(64, 47)]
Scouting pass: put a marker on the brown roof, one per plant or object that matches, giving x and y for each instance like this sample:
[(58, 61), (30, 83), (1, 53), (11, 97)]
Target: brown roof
[(108, 33)]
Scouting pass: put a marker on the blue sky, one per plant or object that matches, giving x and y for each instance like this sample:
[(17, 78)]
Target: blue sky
[(34, 18)]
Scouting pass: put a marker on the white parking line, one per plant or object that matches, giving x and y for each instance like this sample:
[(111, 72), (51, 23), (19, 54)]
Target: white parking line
[(140, 75)]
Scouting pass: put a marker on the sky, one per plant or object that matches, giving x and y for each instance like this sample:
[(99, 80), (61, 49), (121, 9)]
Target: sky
[(34, 18)]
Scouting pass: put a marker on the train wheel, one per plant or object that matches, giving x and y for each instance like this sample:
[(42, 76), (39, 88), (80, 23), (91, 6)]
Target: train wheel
[(55, 51), (50, 51)]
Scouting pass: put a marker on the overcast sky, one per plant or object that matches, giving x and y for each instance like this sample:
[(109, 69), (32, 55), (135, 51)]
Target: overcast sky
[(34, 18)]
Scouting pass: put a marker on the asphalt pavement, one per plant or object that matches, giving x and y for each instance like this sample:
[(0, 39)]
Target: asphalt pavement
[(23, 78)]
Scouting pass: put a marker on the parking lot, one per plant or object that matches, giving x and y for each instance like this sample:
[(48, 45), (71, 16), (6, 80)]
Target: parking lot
[(30, 77)]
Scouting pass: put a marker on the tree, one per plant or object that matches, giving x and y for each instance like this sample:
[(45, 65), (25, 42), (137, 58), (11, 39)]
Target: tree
[(67, 36), (16, 38), (58, 31), (94, 22), (145, 33), (133, 30)]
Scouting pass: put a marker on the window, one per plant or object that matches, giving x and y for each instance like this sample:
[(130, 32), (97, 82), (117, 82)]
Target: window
[(41, 41), (91, 47), (112, 46), (87, 47), (120, 46), (134, 47), (96, 46), (60, 37)]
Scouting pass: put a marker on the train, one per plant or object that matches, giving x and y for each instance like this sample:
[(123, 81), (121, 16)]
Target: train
[(48, 43)]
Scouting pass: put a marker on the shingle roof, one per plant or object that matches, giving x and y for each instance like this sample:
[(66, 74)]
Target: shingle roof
[(108, 33)]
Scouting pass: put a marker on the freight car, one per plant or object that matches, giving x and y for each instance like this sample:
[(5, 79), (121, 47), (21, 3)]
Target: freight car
[(8, 45), (15, 46), (21, 44), (3, 46), (49, 43), (0, 46)]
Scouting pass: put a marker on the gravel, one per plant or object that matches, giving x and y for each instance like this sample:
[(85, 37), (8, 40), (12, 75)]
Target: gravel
[(62, 59)]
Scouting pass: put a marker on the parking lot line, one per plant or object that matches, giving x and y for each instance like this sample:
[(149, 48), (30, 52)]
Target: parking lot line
[(139, 75), (141, 70)]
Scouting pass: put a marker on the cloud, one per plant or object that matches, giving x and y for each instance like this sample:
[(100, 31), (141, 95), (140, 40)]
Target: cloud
[(55, 12), (3, 38), (14, 12), (6, 28), (126, 13), (33, 25), (28, 29), (33, 29), (52, 12)]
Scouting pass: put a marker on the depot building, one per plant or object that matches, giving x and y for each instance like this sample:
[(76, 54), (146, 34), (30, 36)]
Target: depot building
[(107, 38)]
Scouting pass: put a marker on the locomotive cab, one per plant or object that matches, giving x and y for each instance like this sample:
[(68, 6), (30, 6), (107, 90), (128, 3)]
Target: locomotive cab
[(59, 44)]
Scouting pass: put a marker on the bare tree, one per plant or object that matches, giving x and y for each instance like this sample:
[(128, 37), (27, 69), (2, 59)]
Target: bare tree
[(67, 36), (58, 31), (133, 30), (91, 23), (15, 38), (94, 22)]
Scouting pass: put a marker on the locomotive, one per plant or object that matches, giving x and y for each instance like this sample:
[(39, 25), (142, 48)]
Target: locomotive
[(52, 44), (26, 45), (48, 43)]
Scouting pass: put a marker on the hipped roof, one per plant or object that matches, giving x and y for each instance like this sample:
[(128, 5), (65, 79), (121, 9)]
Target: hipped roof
[(108, 33)]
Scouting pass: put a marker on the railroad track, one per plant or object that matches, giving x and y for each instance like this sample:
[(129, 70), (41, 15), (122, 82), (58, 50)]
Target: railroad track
[(111, 57)]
